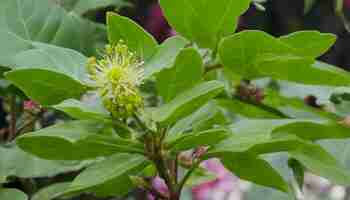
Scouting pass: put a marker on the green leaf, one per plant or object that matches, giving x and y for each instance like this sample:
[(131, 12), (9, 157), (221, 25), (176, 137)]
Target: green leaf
[(257, 192), (204, 22), (294, 107), (13, 45), (255, 54), (165, 55), (187, 102), (134, 36), (204, 138), (51, 191), (310, 43), (44, 86), (298, 171), (49, 57), (57, 142), (270, 136), (255, 144), (200, 176), (189, 122), (279, 162), (340, 149), (316, 130), (341, 104), (320, 162), (79, 140), (84, 111), (17, 163), (123, 130), (309, 129), (12, 194), (215, 119), (113, 171), (107, 145), (254, 169), (245, 109), (82, 6), (59, 73), (44, 21), (337, 71), (240, 51), (186, 73)]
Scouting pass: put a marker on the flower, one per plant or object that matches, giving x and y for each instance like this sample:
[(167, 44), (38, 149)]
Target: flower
[(160, 186), (117, 76), (225, 184), (31, 105)]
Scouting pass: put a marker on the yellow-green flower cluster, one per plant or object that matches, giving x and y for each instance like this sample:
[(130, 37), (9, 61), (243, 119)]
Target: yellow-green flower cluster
[(117, 77)]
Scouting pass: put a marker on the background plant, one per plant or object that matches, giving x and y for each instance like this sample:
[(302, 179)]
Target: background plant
[(207, 93)]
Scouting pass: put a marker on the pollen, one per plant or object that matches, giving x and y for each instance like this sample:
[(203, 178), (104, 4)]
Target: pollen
[(117, 76)]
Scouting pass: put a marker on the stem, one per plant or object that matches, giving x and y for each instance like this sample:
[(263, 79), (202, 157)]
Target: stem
[(163, 168), (347, 194), (154, 148), (29, 185), (142, 125), (212, 67), (165, 174), (339, 6), (13, 117), (176, 167), (29, 124)]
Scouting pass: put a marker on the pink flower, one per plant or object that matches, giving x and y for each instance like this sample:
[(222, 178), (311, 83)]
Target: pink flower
[(224, 183), (160, 186), (30, 105)]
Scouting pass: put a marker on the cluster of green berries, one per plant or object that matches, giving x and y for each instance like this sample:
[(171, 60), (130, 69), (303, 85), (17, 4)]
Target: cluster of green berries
[(117, 76)]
